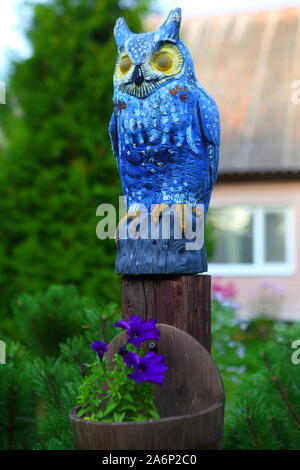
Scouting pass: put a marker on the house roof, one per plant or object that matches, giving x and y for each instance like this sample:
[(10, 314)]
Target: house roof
[(250, 62)]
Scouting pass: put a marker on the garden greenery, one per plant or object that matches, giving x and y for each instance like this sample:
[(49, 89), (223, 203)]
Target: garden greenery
[(37, 392), (110, 392)]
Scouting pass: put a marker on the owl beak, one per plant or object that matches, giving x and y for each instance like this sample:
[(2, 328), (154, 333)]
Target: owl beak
[(137, 76)]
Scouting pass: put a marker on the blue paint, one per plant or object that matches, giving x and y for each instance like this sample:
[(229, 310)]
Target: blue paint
[(165, 133)]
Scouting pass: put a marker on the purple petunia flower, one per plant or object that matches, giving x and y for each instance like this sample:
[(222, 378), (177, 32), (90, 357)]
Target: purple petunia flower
[(139, 330), (150, 368), (100, 347)]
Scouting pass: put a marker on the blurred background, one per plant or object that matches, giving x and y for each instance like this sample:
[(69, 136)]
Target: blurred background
[(56, 164), (57, 60), (57, 279)]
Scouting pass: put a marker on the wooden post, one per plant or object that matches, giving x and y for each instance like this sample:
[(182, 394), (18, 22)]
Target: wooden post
[(180, 301)]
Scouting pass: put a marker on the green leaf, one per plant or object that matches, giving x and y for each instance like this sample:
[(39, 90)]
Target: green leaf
[(128, 397), (109, 408), (118, 417), (154, 414), (80, 412)]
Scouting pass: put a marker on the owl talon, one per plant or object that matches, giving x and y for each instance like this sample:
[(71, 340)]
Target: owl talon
[(123, 221), (158, 210), (162, 207), (180, 210), (198, 212)]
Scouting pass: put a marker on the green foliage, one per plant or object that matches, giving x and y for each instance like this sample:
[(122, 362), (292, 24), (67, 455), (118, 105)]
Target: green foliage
[(44, 320), (266, 413), (37, 392), (58, 166), (209, 236), (228, 350), (262, 385), (119, 398), (55, 383), (17, 400), (57, 379)]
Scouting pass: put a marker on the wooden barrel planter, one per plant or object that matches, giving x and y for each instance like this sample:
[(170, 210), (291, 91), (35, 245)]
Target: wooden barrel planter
[(190, 403)]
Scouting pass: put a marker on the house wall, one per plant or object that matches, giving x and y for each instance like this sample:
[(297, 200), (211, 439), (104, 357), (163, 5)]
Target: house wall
[(265, 193)]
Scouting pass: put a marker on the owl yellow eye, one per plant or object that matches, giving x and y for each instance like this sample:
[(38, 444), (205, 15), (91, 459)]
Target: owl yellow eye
[(164, 61), (125, 64), (168, 59)]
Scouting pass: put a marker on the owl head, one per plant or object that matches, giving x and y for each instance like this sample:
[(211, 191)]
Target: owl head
[(147, 61)]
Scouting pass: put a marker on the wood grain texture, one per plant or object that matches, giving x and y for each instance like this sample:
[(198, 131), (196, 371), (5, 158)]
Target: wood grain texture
[(158, 256), (190, 402), (180, 301)]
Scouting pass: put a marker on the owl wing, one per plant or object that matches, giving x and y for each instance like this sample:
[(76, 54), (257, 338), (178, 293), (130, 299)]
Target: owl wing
[(209, 121), (113, 134)]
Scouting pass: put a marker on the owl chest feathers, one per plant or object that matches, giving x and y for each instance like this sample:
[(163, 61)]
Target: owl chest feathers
[(158, 129), (162, 154)]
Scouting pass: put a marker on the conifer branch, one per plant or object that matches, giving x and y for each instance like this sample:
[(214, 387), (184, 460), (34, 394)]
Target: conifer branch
[(286, 401), (251, 427), (11, 418), (275, 431), (53, 390)]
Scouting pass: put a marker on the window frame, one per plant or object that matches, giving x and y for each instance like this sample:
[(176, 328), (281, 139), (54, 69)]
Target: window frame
[(260, 267)]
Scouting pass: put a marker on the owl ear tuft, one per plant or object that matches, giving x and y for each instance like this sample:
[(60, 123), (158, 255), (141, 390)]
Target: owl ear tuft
[(121, 32), (169, 30)]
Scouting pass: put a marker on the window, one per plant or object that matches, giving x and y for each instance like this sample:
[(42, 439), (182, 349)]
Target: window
[(253, 241)]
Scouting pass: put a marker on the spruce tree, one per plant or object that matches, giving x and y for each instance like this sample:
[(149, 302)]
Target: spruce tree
[(18, 401), (37, 391), (265, 414), (42, 321)]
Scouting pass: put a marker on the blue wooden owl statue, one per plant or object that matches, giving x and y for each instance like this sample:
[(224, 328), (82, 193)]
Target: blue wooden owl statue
[(165, 134)]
